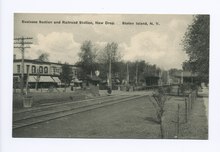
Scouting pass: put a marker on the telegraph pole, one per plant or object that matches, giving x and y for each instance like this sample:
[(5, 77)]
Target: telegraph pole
[(110, 71), (22, 45), (182, 77), (160, 78), (168, 77), (127, 74), (136, 74)]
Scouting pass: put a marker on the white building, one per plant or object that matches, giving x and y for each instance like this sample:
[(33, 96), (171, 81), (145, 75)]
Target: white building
[(36, 71)]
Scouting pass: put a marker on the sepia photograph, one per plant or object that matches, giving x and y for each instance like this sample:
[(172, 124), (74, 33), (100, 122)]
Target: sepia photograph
[(111, 76)]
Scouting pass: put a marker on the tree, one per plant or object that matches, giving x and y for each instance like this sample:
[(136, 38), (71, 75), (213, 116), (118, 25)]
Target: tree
[(44, 57), (87, 58), (109, 58), (159, 101), (66, 74), (187, 66), (111, 52), (136, 69), (196, 45), (141, 65), (150, 74)]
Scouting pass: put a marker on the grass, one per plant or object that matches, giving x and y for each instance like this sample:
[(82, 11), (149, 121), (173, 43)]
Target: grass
[(40, 98), (197, 128), (123, 120), (132, 119)]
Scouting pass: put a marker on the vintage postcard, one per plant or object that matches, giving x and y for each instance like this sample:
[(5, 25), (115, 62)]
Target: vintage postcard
[(118, 76)]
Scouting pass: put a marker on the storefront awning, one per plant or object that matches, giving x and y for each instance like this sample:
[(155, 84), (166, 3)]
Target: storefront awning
[(32, 79), (56, 79), (46, 79)]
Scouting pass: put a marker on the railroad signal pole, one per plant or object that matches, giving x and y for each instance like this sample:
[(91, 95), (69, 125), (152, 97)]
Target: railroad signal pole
[(22, 44)]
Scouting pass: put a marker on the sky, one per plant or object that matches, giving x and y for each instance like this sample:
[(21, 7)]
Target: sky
[(158, 44)]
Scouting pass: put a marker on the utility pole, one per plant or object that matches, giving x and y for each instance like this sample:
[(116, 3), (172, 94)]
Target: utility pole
[(110, 71), (160, 78), (127, 74), (168, 77), (111, 49), (22, 45), (136, 73), (181, 77)]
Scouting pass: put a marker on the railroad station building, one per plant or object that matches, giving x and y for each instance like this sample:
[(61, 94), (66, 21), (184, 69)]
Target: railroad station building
[(186, 76), (46, 74)]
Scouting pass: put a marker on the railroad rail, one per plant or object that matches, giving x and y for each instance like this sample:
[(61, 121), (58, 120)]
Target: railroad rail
[(38, 111), (47, 113)]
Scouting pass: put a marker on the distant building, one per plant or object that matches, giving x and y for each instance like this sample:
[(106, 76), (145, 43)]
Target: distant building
[(185, 77), (36, 71)]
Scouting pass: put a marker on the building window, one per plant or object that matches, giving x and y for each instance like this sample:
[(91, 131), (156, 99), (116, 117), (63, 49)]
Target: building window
[(15, 79), (18, 68), (27, 66), (58, 70), (54, 70), (33, 69), (45, 69), (40, 69)]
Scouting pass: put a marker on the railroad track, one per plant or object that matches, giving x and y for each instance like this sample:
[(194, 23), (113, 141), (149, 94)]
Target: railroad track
[(42, 114), (43, 106), (38, 111)]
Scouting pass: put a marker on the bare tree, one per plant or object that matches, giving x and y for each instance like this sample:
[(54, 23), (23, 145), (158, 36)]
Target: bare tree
[(159, 103)]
